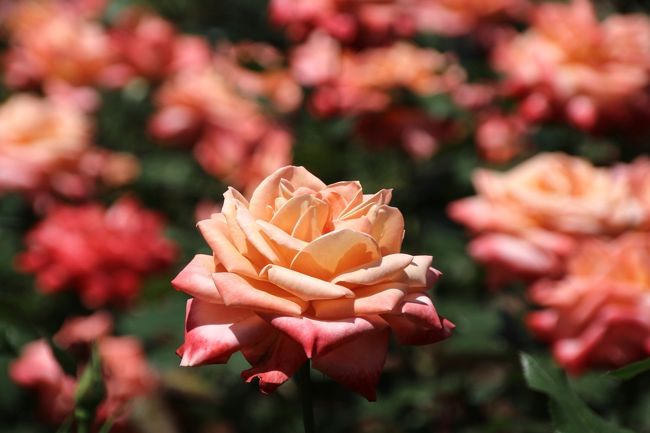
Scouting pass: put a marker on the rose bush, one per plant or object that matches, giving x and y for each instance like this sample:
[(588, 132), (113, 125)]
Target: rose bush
[(304, 271)]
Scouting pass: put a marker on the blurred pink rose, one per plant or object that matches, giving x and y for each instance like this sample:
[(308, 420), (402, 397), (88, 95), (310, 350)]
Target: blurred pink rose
[(38, 369), (596, 81), (50, 42), (500, 137), (529, 219), (305, 270), (216, 109), (637, 176), (598, 315), (101, 253), (419, 134), (350, 82), (125, 371), (458, 17), (150, 46)]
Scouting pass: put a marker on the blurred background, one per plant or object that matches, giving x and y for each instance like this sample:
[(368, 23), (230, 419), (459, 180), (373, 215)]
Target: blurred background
[(122, 123)]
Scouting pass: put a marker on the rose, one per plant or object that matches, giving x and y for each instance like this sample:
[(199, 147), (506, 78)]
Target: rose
[(599, 314), (37, 138), (306, 270), (528, 219)]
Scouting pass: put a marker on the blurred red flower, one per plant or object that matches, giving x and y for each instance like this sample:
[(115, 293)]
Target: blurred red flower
[(102, 254), (598, 315)]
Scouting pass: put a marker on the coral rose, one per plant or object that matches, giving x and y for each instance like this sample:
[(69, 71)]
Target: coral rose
[(599, 314), (305, 271), (103, 254), (529, 219)]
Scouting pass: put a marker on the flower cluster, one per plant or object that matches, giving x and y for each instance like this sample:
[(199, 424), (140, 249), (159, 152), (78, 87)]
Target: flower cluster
[(214, 108), (102, 254), (305, 271), (596, 80), (46, 146), (123, 368)]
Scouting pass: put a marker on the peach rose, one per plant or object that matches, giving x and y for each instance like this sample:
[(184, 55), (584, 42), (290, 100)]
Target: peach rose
[(38, 137), (529, 219), (500, 137), (306, 270), (599, 314)]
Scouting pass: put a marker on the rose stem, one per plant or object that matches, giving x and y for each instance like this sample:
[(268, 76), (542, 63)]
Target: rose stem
[(304, 383)]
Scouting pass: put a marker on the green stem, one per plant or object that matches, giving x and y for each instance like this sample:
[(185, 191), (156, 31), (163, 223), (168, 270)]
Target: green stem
[(304, 383)]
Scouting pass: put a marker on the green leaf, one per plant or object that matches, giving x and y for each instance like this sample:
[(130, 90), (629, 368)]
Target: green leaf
[(570, 414), (631, 370)]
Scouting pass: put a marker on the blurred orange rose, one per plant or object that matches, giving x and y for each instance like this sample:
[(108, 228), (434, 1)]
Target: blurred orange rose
[(307, 270), (529, 219), (598, 315)]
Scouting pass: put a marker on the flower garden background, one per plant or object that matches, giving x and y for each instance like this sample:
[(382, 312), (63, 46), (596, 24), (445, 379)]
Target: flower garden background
[(142, 146)]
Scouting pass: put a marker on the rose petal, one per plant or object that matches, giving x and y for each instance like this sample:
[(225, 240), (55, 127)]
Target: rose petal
[(334, 253), (341, 196), (304, 286), (252, 232), (419, 274), (214, 230), (317, 337), (262, 200), (285, 244), (276, 363), (196, 279), (380, 198), (291, 217), (418, 322), (377, 299), (374, 273), (238, 291), (358, 363), (387, 229), (214, 332), (231, 199)]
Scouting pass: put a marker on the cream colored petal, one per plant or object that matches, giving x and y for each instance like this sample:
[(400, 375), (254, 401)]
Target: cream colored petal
[(232, 198), (334, 253), (252, 231), (263, 198), (342, 195), (419, 274), (215, 232), (376, 272), (362, 224), (377, 299), (291, 217), (380, 198), (387, 229), (256, 295), (304, 286)]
